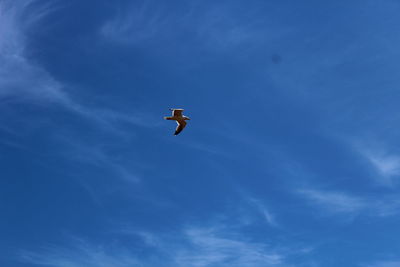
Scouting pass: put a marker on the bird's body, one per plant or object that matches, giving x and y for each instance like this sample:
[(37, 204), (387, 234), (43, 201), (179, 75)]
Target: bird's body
[(179, 118)]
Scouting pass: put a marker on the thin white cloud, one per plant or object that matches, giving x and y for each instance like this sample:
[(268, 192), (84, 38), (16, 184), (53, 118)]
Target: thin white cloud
[(97, 157), (264, 212), (23, 81), (384, 162), (209, 247), (335, 201), (195, 246), (81, 254), (138, 24), (387, 165), (220, 28), (18, 77), (384, 264), (349, 205), (215, 28)]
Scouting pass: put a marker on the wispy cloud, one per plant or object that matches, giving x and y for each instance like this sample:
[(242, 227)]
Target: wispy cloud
[(140, 23), (18, 77), (383, 264), (264, 211), (331, 202), (223, 27), (386, 164), (215, 28), (24, 81), (336, 202), (209, 247), (193, 246), (382, 160), (81, 253), (96, 156)]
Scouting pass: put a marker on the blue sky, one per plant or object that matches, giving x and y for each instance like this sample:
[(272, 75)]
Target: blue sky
[(291, 157)]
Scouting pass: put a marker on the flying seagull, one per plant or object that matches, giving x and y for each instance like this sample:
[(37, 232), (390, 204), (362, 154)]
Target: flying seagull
[(179, 118)]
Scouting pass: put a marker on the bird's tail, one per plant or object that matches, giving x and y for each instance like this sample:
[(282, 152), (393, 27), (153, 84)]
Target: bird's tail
[(168, 118)]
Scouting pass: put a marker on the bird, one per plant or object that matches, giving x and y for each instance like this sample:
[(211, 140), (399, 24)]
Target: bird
[(179, 118)]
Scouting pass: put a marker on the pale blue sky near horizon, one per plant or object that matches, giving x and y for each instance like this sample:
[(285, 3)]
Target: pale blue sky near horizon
[(291, 156)]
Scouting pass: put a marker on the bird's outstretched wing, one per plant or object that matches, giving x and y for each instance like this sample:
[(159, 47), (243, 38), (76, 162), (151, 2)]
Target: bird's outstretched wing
[(177, 112), (179, 128)]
